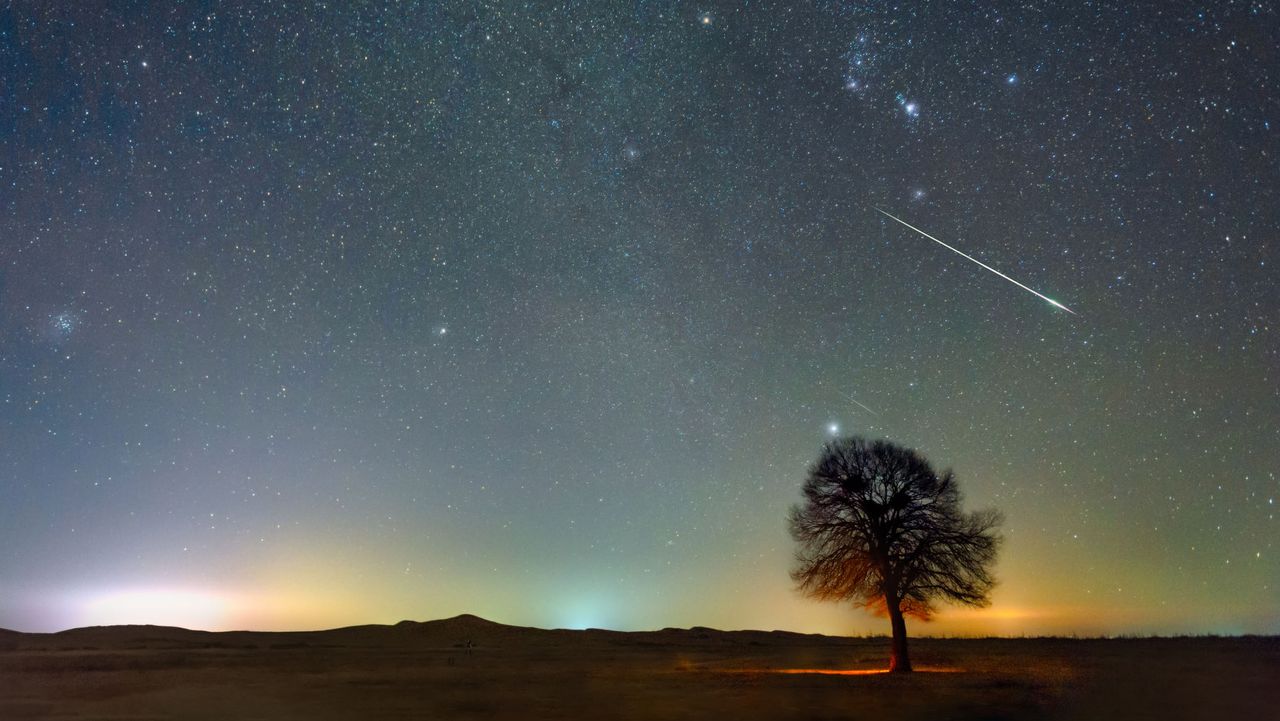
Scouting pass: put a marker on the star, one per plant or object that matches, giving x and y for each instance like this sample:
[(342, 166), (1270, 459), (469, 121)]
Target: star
[(910, 107)]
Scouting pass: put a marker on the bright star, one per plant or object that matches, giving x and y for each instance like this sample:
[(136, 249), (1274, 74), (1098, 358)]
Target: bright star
[(833, 428), (910, 107)]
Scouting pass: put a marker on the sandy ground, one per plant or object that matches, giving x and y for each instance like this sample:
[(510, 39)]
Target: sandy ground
[(427, 671)]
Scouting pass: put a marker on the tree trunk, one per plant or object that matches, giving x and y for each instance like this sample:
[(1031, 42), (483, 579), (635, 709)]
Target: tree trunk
[(899, 662)]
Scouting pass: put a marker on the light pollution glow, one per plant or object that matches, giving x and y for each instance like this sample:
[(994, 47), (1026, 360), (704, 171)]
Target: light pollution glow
[(323, 598), (545, 325)]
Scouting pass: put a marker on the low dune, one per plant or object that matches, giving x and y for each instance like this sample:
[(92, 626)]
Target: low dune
[(468, 667)]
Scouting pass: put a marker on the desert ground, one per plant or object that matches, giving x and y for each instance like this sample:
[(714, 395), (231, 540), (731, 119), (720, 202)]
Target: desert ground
[(467, 667)]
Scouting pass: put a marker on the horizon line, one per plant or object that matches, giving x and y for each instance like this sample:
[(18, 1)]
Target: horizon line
[(1071, 636)]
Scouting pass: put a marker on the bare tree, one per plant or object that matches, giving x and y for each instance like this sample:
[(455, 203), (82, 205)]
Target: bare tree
[(881, 528)]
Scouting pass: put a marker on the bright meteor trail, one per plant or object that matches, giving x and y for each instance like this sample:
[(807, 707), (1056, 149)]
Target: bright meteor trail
[(984, 265)]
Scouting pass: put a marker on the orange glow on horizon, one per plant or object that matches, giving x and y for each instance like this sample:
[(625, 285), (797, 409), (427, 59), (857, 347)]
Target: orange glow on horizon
[(825, 671), (206, 609), (846, 671)]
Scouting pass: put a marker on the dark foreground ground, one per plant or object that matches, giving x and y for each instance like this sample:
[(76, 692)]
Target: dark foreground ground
[(426, 671)]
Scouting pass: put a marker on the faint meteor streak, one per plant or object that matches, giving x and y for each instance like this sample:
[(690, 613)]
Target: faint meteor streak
[(1035, 292), (860, 405)]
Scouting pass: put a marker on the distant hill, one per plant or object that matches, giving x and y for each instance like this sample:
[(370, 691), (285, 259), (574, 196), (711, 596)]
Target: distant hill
[(462, 631)]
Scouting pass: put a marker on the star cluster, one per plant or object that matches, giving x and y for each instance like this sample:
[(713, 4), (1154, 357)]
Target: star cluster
[(337, 313)]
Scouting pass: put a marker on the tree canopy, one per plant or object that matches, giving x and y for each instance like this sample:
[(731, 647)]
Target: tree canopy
[(879, 527)]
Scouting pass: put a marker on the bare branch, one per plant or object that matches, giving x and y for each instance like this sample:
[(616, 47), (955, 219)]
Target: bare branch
[(879, 527)]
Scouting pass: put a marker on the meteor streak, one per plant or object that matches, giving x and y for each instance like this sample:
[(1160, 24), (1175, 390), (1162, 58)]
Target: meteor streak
[(1037, 293), (860, 404)]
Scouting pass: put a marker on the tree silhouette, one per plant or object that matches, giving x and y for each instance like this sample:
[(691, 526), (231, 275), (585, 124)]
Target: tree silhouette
[(880, 527)]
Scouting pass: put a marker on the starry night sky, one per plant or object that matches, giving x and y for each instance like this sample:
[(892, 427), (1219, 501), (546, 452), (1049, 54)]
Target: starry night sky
[(321, 314)]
